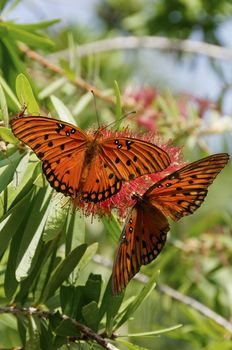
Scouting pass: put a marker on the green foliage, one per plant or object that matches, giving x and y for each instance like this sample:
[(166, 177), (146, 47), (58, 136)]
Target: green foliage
[(48, 270)]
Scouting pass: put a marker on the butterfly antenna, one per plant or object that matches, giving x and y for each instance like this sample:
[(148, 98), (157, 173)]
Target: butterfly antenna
[(95, 105), (116, 121)]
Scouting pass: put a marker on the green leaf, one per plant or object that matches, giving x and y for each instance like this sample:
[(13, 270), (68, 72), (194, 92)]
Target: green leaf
[(90, 315), (10, 282), (53, 87), (118, 105), (55, 223), (110, 305), (93, 287), (23, 180), (221, 344), (33, 340), (90, 252), (13, 52), (112, 226), (133, 306), (3, 4), (131, 346), (63, 112), (152, 333), (28, 37), (38, 25), (3, 107), (75, 230), (25, 94), (63, 270), (21, 168), (32, 233), (68, 300), (46, 335), (22, 327), (8, 225), (9, 92), (82, 103), (7, 172), (7, 135), (67, 328)]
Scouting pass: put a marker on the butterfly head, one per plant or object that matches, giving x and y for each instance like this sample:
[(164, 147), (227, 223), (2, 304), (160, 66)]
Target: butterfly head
[(136, 196)]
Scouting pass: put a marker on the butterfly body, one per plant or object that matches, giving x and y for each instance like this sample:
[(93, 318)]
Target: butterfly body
[(145, 231), (85, 166)]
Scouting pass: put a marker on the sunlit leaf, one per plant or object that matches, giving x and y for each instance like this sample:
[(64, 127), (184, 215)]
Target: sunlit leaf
[(3, 107), (25, 94), (112, 226), (63, 112), (32, 233), (152, 333)]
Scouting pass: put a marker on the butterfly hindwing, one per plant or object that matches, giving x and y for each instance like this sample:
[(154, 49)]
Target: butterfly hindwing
[(184, 190), (142, 239), (102, 182), (121, 159)]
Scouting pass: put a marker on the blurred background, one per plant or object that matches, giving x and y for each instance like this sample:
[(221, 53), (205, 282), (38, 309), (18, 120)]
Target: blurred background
[(184, 93), (195, 20)]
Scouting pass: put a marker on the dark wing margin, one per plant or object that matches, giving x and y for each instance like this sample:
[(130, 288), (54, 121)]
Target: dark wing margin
[(183, 191)]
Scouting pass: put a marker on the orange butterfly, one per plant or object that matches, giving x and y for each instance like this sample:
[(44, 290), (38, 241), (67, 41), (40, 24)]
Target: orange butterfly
[(146, 227), (80, 165)]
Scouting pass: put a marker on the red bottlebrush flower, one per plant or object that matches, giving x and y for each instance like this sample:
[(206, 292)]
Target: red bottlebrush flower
[(142, 96), (142, 99), (185, 100), (122, 200)]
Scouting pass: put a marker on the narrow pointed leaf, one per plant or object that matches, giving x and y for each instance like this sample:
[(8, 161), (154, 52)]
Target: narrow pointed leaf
[(33, 232), (64, 269), (25, 94), (9, 224), (118, 106), (9, 92), (90, 315), (133, 306), (7, 135), (33, 341), (152, 333), (112, 226), (3, 107), (63, 112)]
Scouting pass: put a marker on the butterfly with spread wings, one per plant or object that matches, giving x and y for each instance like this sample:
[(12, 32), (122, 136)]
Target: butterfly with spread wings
[(88, 167), (145, 231)]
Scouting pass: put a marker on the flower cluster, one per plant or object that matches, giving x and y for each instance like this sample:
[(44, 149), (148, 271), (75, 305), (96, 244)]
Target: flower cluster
[(122, 200), (149, 112)]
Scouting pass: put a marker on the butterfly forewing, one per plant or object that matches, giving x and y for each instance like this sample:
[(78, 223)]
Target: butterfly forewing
[(183, 191), (130, 158), (142, 239), (61, 147)]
